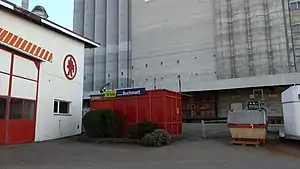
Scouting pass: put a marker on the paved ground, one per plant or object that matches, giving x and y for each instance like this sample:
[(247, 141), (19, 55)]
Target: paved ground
[(192, 153)]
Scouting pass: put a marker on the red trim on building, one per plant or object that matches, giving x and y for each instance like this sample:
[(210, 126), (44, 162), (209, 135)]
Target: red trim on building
[(8, 100), (21, 77), (36, 97), (10, 39), (4, 73), (13, 135)]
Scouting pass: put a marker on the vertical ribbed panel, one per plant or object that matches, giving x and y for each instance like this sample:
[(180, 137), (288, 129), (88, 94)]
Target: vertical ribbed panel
[(78, 20), (100, 36), (123, 44), (89, 25), (112, 42)]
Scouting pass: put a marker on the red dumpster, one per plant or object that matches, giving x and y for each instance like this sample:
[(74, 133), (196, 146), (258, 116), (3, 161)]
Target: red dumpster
[(160, 106)]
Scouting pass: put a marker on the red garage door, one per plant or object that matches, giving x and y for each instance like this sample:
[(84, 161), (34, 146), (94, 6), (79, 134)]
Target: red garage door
[(18, 97)]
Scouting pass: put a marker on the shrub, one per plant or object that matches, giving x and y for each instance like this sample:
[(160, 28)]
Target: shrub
[(157, 138), (102, 123), (139, 130)]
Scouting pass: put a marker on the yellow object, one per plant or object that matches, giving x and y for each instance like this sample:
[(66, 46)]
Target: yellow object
[(110, 93)]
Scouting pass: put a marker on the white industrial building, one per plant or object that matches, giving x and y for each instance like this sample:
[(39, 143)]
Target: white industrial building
[(220, 50), (41, 77)]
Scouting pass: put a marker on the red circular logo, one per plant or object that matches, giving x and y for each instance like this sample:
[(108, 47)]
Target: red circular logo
[(70, 67)]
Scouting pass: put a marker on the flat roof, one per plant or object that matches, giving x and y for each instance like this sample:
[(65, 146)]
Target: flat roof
[(19, 11)]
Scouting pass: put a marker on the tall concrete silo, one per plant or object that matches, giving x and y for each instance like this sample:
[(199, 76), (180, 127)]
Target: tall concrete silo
[(78, 19), (257, 35), (112, 43), (89, 32), (124, 44), (100, 36)]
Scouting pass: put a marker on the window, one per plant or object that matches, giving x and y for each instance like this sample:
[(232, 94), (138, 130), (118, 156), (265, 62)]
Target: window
[(16, 107), (294, 6), (2, 108), (296, 28), (177, 61), (22, 109), (297, 52), (122, 73), (132, 67), (161, 63), (61, 107), (29, 109), (146, 65)]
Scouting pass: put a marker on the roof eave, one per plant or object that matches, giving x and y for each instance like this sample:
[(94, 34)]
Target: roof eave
[(46, 23)]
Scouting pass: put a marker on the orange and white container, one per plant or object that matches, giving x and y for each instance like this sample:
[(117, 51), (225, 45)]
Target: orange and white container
[(248, 126)]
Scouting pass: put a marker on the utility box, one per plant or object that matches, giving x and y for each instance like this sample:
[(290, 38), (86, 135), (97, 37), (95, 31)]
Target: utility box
[(162, 107)]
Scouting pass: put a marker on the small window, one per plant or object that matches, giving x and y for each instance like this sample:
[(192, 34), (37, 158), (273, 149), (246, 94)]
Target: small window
[(161, 63), (294, 6), (132, 67), (16, 108), (296, 28), (108, 75), (55, 106), (61, 107), (177, 61), (146, 65), (29, 109), (122, 73), (297, 52), (2, 108)]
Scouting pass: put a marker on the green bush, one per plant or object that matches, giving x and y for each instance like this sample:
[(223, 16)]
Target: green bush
[(102, 123), (139, 130), (157, 138)]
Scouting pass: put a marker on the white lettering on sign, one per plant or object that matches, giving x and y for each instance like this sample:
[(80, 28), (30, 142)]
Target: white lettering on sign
[(131, 93)]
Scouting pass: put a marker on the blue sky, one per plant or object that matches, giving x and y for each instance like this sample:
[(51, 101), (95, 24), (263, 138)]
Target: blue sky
[(59, 11)]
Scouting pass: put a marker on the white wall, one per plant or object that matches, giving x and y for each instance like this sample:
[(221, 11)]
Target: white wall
[(22, 88), (25, 68), (4, 81), (5, 60), (52, 82)]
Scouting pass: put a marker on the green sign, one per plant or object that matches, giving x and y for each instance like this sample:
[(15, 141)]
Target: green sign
[(110, 93)]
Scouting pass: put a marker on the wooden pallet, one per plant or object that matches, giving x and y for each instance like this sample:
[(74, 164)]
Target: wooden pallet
[(246, 143)]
